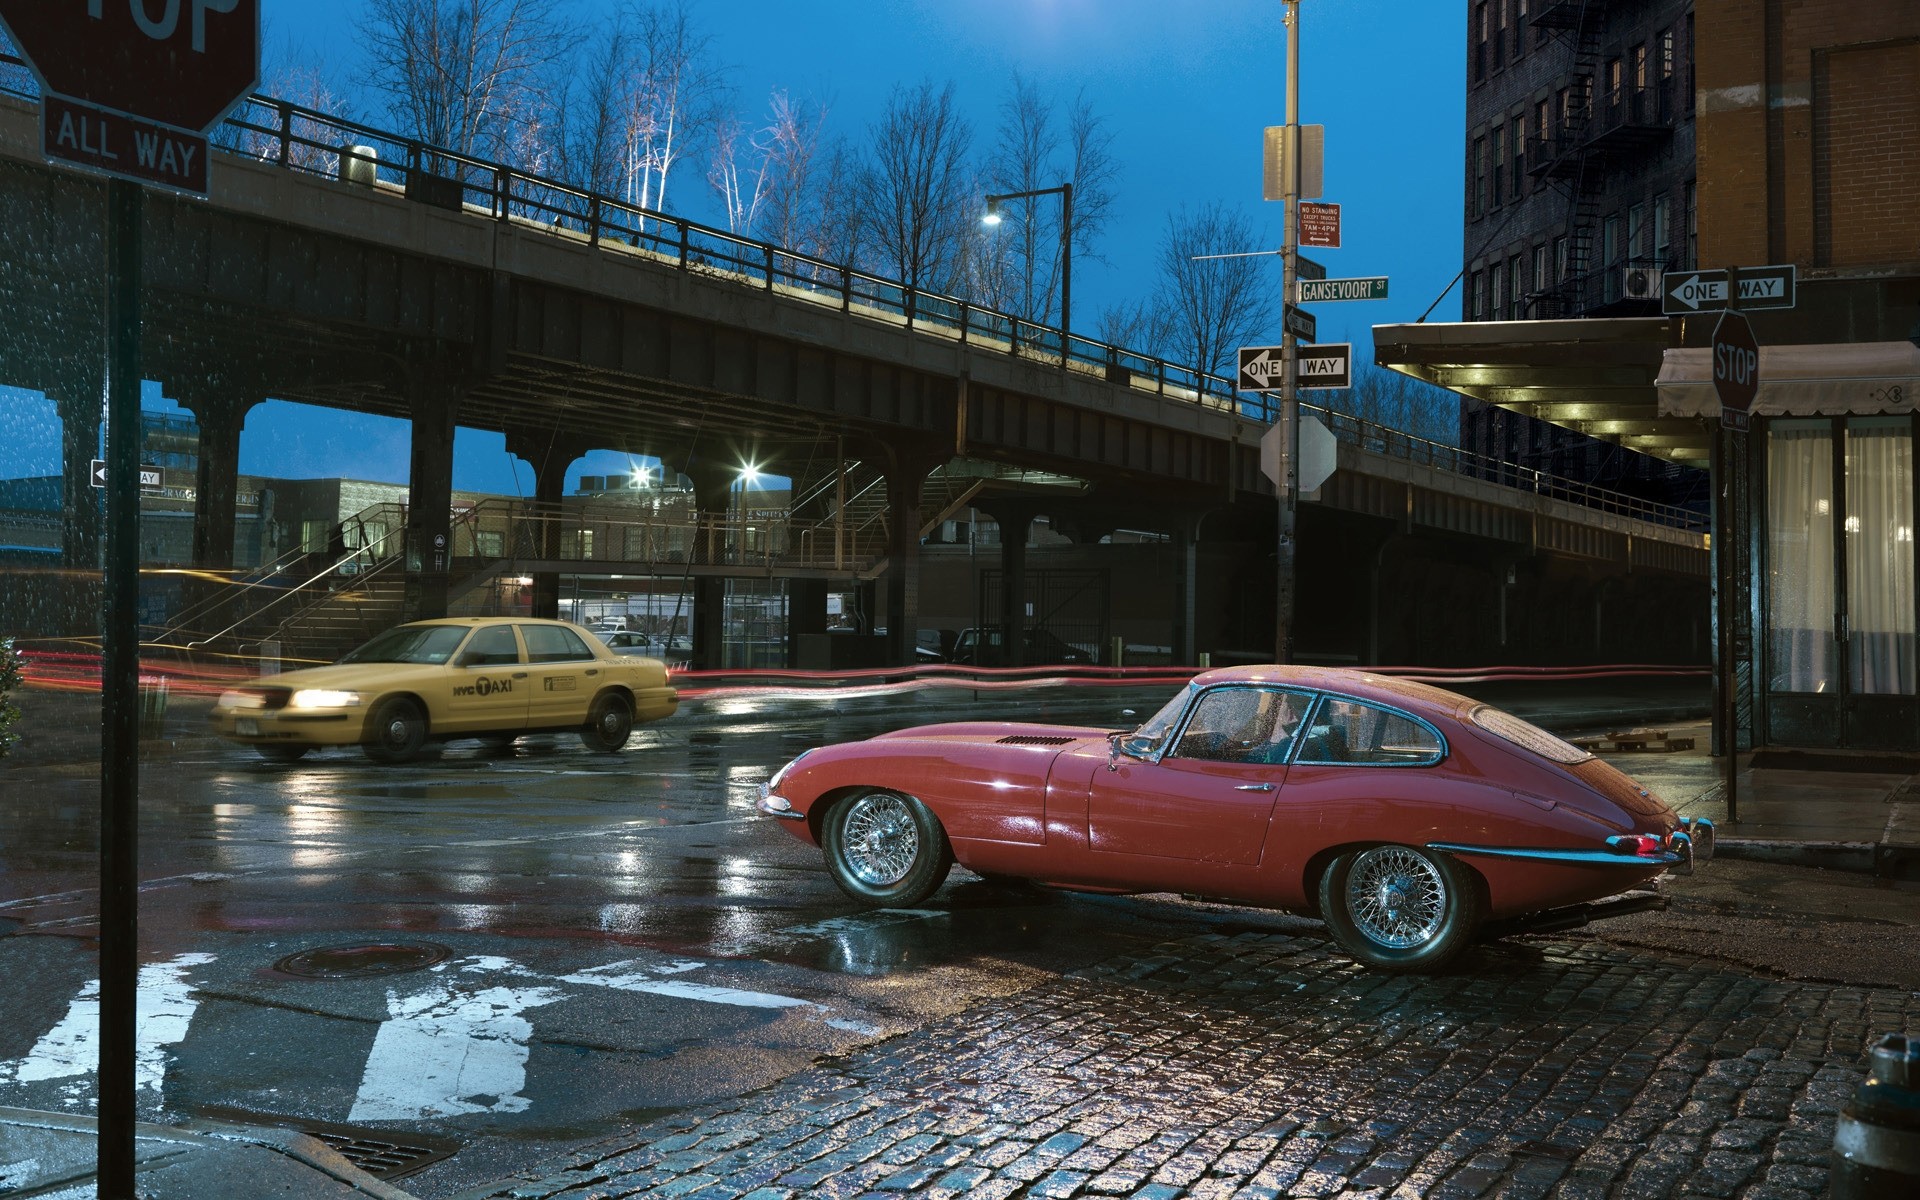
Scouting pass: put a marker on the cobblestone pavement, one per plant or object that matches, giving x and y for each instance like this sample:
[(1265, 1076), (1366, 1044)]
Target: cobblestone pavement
[(1264, 1065)]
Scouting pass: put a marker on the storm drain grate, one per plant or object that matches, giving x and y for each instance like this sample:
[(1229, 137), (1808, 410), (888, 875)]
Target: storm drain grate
[(359, 962), (380, 1153)]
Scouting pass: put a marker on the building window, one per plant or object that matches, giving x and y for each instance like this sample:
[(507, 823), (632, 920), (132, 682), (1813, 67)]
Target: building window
[(1479, 178), (1639, 68), (1561, 252), (1542, 268), (1496, 281), (1693, 227), (1499, 157), (1665, 40), (1638, 240), (1476, 297), (1480, 41), (1519, 27), (1613, 82), (1500, 34), (1611, 247), (1519, 138), (1662, 234), (1516, 288)]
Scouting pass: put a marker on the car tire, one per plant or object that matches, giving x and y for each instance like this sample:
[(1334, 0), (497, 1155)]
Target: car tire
[(609, 723), (1400, 908), (397, 732), (885, 849), (282, 754)]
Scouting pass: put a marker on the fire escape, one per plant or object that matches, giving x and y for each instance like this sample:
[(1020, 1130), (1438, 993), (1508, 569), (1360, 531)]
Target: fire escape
[(1608, 112)]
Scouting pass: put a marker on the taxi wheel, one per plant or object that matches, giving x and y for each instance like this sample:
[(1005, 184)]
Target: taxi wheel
[(609, 723), (397, 733), (1400, 908), (282, 754)]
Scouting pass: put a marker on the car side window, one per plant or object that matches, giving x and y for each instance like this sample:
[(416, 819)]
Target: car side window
[(551, 643), (1352, 732), (1248, 725), (492, 646)]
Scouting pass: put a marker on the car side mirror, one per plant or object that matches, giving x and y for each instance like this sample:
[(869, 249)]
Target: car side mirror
[(466, 658)]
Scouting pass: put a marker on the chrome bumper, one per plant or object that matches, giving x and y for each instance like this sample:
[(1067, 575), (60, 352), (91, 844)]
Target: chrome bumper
[(1676, 853), (777, 806)]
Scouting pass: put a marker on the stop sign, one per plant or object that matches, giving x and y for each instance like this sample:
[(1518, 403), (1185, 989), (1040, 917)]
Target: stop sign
[(1736, 363), (174, 62)]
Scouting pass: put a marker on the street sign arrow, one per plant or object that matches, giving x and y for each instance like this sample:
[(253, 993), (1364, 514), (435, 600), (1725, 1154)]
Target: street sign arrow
[(1301, 323), (1688, 292), (98, 473), (1261, 368)]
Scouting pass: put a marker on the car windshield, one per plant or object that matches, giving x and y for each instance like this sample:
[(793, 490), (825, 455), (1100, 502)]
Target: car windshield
[(1146, 741), (410, 644)]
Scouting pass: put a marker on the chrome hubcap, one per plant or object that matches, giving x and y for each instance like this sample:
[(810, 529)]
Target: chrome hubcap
[(1396, 897), (611, 722), (397, 731), (880, 839)]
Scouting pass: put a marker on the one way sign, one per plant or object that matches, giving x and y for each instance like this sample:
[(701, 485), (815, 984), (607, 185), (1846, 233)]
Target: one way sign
[(1330, 366)]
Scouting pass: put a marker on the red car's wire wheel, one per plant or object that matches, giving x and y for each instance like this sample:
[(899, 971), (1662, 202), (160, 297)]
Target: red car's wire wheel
[(881, 840), (1396, 897)]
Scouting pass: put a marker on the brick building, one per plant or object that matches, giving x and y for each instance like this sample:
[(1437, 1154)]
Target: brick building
[(1580, 193)]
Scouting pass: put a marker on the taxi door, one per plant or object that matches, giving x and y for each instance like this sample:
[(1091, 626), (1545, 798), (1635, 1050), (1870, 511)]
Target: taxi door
[(488, 684), (564, 673)]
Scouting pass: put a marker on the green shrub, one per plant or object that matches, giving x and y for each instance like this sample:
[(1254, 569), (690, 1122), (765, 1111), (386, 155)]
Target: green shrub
[(9, 682)]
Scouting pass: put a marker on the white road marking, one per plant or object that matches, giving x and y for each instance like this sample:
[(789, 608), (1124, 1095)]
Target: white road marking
[(640, 981), (164, 1010), (444, 1052)]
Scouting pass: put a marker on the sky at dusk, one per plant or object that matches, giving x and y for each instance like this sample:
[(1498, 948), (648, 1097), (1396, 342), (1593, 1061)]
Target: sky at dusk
[(1184, 89)]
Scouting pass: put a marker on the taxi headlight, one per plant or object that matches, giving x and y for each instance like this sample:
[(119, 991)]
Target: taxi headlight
[(322, 698), (241, 700)]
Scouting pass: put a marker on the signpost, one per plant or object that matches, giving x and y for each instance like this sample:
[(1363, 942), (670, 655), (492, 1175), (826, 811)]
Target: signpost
[(128, 88), (1314, 291), (1320, 225), (1687, 292)]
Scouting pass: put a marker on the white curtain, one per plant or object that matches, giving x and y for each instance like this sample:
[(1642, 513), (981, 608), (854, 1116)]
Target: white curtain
[(1800, 566), (1880, 579)]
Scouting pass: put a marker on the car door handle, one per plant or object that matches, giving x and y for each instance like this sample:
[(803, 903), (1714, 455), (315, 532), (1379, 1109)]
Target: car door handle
[(593, 670), (519, 674), (1252, 787)]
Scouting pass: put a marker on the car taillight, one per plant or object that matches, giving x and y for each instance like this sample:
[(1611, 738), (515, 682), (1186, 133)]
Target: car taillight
[(1645, 845)]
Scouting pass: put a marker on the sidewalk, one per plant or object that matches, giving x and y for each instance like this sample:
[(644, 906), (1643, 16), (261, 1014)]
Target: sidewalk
[(52, 1156)]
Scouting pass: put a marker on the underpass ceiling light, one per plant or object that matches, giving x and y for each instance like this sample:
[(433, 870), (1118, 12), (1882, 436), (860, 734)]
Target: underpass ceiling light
[(749, 475)]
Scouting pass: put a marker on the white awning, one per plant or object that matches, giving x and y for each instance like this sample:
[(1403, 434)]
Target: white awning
[(1844, 378)]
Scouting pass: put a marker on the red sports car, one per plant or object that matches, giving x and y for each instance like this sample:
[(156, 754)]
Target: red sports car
[(1410, 819)]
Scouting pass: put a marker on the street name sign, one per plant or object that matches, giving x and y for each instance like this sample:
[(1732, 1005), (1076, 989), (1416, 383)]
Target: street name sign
[(1306, 268), (1688, 292), (1313, 291), (1301, 323), (1319, 225), (130, 88), (1736, 368), (1328, 366)]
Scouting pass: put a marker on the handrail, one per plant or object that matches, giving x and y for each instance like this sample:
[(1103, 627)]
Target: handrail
[(297, 138)]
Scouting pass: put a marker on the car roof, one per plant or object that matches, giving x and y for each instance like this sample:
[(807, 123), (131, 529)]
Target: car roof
[(1360, 684)]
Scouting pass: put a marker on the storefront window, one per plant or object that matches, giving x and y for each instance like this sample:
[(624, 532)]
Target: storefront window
[(1880, 580), (1800, 564)]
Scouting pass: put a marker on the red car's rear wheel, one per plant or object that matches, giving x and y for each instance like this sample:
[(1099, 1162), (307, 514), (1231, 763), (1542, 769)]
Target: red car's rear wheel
[(1400, 908), (885, 848)]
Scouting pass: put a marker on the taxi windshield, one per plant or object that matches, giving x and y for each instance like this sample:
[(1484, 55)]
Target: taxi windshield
[(410, 644)]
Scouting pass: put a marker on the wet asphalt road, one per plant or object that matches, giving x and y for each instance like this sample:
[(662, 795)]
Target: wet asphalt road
[(625, 936)]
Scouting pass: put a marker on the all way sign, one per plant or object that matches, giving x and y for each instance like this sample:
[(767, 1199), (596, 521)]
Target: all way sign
[(1687, 292), (122, 145)]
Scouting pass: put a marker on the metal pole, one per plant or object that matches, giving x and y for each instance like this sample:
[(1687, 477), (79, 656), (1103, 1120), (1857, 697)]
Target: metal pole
[(120, 701), (1727, 559), (1066, 274), (1289, 395)]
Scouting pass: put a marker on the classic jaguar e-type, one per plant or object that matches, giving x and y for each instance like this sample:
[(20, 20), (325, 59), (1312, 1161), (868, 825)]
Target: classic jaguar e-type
[(1412, 820)]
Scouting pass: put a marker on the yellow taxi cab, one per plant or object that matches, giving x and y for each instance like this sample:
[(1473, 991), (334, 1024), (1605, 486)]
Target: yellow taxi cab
[(488, 677)]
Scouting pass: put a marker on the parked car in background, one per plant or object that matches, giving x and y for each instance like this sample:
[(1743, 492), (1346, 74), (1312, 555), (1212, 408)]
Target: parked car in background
[(986, 647), (1412, 820), (489, 677)]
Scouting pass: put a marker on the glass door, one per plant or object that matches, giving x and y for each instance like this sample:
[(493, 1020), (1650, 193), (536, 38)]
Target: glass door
[(1840, 596)]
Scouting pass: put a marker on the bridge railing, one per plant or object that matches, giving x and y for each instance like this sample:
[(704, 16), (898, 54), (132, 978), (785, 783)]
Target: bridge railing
[(302, 139)]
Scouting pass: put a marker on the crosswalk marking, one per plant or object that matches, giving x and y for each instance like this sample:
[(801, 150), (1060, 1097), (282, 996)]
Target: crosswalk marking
[(71, 1049), (445, 1052)]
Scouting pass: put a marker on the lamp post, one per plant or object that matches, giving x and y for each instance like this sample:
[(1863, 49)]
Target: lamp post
[(1287, 551), (1065, 191)]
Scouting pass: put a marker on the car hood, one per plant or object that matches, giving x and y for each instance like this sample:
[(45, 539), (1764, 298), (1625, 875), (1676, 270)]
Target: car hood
[(346, 675), (1012, 733)]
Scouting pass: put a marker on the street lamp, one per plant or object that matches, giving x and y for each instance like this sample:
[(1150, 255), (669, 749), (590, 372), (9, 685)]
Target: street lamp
[(991, 218)]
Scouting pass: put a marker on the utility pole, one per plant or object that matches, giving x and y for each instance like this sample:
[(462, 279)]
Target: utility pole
[(1285, 555)]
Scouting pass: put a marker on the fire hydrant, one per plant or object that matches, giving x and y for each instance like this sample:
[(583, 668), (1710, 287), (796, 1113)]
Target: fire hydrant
[(1876, 1145)]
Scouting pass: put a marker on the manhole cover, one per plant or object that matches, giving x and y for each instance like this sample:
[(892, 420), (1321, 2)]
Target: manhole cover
[(356, 962)]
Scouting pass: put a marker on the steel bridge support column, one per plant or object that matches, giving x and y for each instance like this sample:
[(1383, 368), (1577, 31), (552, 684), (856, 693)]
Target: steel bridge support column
[(82, 522), (1014, 520), (550, 458), (1186, 583), (221, 413), (905, 478), (436, 407), (712, 495), (806, 614)]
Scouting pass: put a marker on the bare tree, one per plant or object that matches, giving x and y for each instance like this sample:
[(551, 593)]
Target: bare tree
[(1137, 326), (1397, 401), (837, 229), (673, 101), (764, 179), (1212, 306), (1034, 152), (587, 124), (460, 74), (916, 190)]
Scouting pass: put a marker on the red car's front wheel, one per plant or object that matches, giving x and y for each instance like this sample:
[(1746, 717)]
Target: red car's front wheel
[(885, 848), (1400, 908)]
